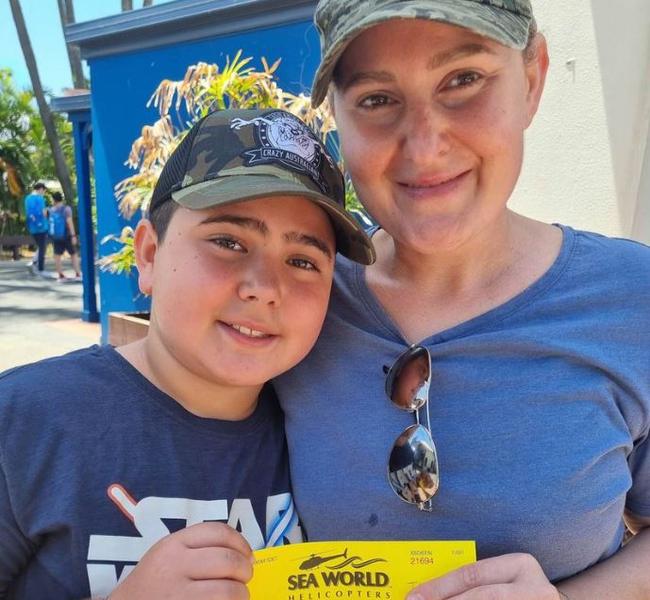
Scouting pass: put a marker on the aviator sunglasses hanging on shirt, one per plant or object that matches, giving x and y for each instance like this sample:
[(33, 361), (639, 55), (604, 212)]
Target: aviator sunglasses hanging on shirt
[(413, 462)]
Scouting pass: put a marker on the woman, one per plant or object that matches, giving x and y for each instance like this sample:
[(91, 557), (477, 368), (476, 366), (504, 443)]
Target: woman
[(539, 335)]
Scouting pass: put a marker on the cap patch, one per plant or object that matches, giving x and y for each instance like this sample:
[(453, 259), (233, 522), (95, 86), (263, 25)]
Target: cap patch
[(284, 139)]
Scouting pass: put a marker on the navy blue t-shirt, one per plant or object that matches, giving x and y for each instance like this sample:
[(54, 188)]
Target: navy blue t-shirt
[(97, 464)]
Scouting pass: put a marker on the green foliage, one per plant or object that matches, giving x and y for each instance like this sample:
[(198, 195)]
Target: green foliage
[(122, 260), (25, 155)]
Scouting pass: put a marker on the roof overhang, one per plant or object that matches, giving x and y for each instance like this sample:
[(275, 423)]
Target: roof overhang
[(182, 21)]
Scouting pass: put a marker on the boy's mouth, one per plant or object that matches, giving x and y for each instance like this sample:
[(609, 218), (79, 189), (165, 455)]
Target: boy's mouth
[(248, 332)]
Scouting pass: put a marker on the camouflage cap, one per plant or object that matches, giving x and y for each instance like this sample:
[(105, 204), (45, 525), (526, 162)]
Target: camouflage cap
[(340, 21), (235, 155)]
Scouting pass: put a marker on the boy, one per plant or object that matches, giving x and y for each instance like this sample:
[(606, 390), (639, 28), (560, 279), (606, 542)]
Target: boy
[(104, 452), (63, 235)]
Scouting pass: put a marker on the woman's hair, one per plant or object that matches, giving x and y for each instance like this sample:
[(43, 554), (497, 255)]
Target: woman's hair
[(529, 52)]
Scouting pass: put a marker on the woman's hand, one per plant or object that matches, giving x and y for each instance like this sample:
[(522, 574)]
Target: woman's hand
[(205, 561), (507, 577)]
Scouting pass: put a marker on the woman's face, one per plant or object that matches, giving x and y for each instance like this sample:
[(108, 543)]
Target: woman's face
[(431, 119)]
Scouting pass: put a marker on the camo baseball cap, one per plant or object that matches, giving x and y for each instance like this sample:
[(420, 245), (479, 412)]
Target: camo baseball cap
[(340, 21), (235, 155)]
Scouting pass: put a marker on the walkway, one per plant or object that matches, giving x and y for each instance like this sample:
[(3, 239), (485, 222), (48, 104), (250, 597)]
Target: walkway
[(39, 317)]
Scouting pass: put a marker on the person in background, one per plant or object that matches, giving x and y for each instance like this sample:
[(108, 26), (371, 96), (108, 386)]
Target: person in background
[(538, 334), (63, 235), (37, 225)]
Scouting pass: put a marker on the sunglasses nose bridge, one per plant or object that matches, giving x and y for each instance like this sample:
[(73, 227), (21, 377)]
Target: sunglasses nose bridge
[(408, 380)]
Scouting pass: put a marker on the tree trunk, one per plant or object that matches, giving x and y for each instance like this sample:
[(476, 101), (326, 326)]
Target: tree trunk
[(127, 5), (66, 12), (46, 116)]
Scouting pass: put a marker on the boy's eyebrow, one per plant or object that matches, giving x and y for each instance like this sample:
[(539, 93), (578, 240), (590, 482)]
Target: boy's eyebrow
[(246, 222), (308, 240), (435, 62), (260, 226)]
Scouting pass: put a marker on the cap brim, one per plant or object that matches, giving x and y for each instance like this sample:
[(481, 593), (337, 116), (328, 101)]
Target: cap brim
[(481, 18), (351, 239)]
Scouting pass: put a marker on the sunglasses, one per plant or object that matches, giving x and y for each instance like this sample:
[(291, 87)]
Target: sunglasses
[(413, 462)]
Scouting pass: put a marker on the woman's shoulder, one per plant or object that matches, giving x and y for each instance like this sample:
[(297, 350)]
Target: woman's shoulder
[(621, 256), (620, 247)]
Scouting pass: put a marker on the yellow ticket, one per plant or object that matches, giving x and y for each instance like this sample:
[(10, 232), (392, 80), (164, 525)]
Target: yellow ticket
[(353, 570)]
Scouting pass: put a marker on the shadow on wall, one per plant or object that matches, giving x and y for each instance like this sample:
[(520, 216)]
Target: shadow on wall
[(623, 45)]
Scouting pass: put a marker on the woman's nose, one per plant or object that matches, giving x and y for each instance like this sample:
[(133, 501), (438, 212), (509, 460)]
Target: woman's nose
[(425, 135)]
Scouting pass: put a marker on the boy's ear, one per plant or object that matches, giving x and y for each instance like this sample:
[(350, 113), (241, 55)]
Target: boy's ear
[(145, 244)]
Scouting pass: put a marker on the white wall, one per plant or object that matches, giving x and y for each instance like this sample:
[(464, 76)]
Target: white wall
[(588, 152)]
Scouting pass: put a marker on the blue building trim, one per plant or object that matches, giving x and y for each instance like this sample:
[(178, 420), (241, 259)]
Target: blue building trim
[(78, 110), (182, 21), (71, 104)]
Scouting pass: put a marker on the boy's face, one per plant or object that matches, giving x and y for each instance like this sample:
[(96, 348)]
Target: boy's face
[(239, 292)]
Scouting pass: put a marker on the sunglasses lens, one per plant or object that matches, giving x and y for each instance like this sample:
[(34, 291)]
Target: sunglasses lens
[(408, 379), (413, 465)]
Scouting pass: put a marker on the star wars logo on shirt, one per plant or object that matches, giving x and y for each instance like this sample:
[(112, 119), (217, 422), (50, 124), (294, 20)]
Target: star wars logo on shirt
[(111, 558)]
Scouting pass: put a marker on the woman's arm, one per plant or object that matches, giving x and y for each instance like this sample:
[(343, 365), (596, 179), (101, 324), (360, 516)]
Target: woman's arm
[(623, 576), (69, 223)]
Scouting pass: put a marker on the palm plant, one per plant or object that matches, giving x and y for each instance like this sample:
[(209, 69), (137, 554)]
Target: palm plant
[(204, 87)]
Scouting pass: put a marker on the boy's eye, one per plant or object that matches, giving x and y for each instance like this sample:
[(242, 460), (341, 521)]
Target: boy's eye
[(463, 80), (376, 101), (227, 243), (303, 263)]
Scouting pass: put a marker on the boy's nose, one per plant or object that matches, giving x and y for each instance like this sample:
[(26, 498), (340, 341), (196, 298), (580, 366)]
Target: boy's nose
[(260, 283)]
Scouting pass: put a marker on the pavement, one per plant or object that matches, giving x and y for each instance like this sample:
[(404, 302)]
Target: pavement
[(39, 317)]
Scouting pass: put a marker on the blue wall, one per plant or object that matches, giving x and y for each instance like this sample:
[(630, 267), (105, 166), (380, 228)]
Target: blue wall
[(121, 86)]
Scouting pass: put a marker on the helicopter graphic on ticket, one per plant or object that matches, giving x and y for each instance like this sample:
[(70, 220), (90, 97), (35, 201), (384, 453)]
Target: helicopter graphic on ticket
[(353, 570)]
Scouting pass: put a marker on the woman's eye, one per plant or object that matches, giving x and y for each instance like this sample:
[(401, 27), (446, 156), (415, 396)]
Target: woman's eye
[(303, 263), (376, 101), (463, 80), (228, 243)]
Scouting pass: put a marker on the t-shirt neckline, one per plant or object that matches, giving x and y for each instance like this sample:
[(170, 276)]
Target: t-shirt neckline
[(488, 318)]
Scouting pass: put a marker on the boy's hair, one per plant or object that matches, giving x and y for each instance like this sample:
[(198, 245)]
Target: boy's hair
[(39, 185), (160, 217), (57, 197), (237, 155)]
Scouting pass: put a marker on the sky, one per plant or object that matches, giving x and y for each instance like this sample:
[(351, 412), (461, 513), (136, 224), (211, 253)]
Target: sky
[(44, 27)]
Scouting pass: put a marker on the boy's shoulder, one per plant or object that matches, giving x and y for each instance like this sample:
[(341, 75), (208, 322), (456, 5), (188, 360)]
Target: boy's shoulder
[(54, 383)]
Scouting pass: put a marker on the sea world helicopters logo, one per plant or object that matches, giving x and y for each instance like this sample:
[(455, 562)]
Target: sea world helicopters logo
[(337, 571), (285, 139)]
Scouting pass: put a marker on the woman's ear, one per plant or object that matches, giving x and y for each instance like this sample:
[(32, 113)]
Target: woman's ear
[(145, 245), (536, 68), (330, 99)]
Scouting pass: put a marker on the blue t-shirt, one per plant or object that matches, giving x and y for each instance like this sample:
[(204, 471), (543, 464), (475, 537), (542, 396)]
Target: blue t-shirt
[(540, 411), (97, 464)]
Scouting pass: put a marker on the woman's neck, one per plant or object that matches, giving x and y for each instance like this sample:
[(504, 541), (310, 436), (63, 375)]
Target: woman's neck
[(428, 292)]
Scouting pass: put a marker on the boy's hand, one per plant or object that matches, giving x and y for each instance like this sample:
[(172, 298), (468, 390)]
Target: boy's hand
[(506, 577), (208, 560)]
